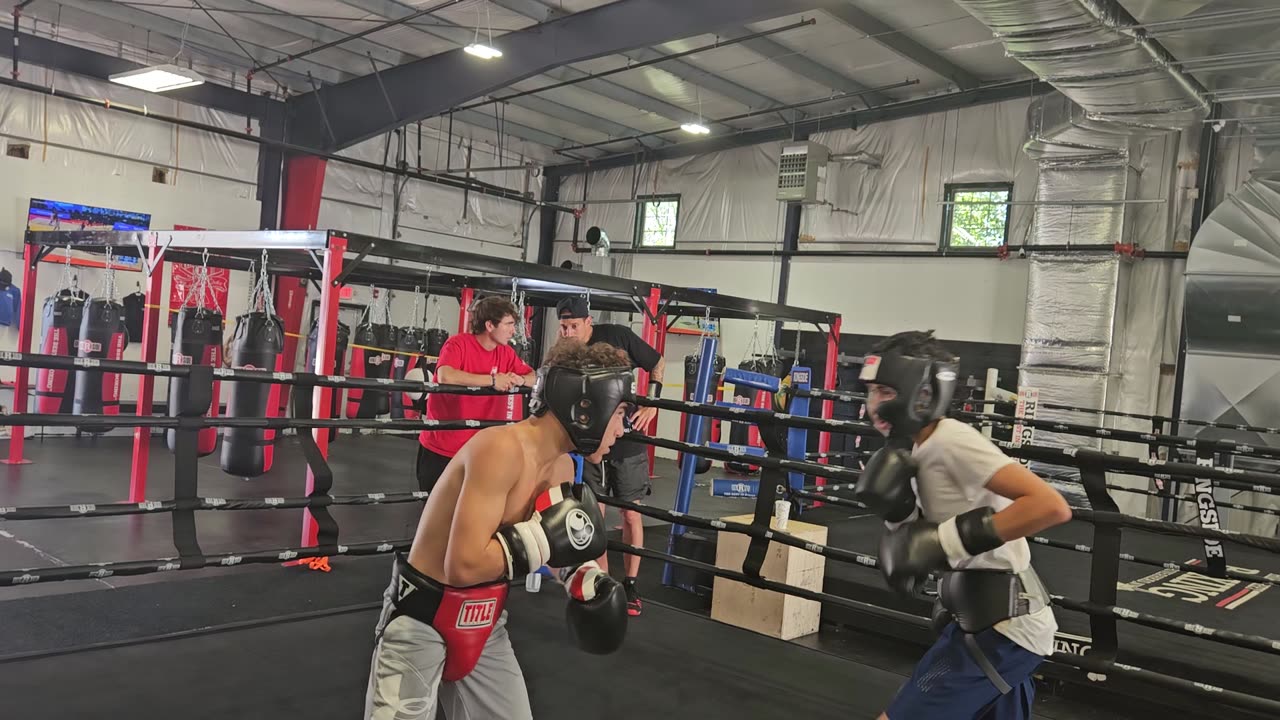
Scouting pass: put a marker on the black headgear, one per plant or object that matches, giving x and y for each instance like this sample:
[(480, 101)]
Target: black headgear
[(582, 400), (925, 387)]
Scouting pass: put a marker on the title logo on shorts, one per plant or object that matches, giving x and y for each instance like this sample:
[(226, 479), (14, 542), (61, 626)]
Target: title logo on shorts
[(476, 613), (580, 529)]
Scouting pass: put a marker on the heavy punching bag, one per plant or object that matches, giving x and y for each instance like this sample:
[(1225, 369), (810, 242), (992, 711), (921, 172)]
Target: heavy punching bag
[(342, 337), (747, 433), (371, 358), (436, 338), (55, 389), (197, 340), (690, 384), (102, 337), (256, 345), (411, 343)]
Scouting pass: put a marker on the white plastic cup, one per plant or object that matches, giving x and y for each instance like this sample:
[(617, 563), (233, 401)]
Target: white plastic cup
[(533, 582), (781, 512)]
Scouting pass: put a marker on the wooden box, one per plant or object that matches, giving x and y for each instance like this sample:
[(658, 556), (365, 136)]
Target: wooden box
[(765, 611)]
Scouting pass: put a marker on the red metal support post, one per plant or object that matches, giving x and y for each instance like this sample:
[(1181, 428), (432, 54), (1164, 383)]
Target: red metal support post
[(326, 337), (464, 309), (157, 306), (829, 379), (650, 337), (302, 185), (22, 376)]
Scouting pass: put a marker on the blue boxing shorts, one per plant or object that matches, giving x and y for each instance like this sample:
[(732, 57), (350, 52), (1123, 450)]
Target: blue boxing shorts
[(949, 683)]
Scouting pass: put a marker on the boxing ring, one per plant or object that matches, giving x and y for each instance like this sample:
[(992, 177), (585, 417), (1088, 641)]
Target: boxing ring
[(295, 654)]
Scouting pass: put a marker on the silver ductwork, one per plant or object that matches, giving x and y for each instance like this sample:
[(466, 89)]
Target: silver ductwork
[(1233, 328), (1118, 88)]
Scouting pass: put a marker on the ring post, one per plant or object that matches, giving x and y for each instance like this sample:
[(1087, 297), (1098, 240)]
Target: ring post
[(650, 336), (22, 376), (693, 435), (830, 379), (464, 309), (798, 439), (326, 337), (156, 304)]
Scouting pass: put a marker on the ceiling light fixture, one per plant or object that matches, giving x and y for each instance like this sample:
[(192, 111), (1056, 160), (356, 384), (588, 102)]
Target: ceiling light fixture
[(158, 78), (482, 51), (694, 128)]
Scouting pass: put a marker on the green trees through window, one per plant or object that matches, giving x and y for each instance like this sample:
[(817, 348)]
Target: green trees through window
[(976, 216)]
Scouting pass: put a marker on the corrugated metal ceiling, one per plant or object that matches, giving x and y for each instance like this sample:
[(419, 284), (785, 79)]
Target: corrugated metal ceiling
[(722, 82)]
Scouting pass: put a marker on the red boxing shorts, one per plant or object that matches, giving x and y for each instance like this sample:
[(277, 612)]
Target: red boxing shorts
[(464, 617)]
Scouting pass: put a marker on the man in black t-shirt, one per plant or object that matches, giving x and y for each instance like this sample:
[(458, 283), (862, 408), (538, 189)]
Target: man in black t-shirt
[(624, 473)]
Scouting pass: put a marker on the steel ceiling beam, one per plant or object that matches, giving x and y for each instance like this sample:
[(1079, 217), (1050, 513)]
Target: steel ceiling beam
[(311, 30), (427, 87), (76, 60), (198, 36), (460, 36), (893, 39), (857, 118), (797, 64), (685, 71)]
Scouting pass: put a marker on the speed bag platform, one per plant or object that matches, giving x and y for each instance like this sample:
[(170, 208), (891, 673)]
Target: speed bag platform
[(342, 337), (102, 337), (370, 358), (410, 345), (256, 345), (691, 363), (197, 340), (55, 389)]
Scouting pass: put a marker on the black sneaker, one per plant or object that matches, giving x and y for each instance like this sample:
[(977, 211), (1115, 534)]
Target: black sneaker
[(633, 601)]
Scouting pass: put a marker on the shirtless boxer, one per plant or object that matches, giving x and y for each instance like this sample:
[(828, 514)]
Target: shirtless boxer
[(505, 506)]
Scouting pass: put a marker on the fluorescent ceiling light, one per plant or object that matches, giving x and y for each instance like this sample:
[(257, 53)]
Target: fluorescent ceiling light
[(482, 51), (695, 128), (158, 78)]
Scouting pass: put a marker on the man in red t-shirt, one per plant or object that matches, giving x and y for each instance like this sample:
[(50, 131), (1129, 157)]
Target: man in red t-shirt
[(482, 357)]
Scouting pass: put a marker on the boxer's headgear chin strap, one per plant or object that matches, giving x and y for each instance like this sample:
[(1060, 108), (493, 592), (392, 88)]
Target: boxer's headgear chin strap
[(925, 388), (582, 400)]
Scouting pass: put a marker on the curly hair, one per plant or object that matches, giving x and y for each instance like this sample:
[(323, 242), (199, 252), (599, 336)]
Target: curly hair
[(571, 353), (493, 309), (914, 343)]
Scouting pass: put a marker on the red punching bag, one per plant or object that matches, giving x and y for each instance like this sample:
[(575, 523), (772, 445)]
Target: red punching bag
[(102, 337), (55, 389), (256, 345), (197, 340), (341, 339), (371, 358)]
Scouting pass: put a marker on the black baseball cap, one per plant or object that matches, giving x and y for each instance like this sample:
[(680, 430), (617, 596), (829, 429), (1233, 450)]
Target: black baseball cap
[(575, 306)]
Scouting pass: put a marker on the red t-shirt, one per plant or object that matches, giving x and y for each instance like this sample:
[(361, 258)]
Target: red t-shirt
[(463, 352)]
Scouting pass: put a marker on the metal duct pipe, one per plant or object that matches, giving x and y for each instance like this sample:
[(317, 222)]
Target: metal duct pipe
[(1116, 83)]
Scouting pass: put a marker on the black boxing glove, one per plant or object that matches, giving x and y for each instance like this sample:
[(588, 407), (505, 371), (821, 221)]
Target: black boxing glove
[(910, 552), (597, 612), (885, 484), (566, 529)]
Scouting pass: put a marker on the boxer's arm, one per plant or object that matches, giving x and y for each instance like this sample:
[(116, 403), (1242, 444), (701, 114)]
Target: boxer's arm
[(491, 470), (1036, 505)]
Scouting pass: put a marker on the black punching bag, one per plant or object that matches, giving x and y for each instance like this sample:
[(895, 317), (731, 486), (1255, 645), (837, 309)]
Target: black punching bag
[(256, 345), (342, 337), (55, 389), (690, 384), (411, 343), (370, 358), (436, 338), (197, 340), (102, 337)]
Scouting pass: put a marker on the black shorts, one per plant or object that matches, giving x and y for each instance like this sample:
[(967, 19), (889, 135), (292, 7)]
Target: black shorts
[(626, 478), (430, 466)]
